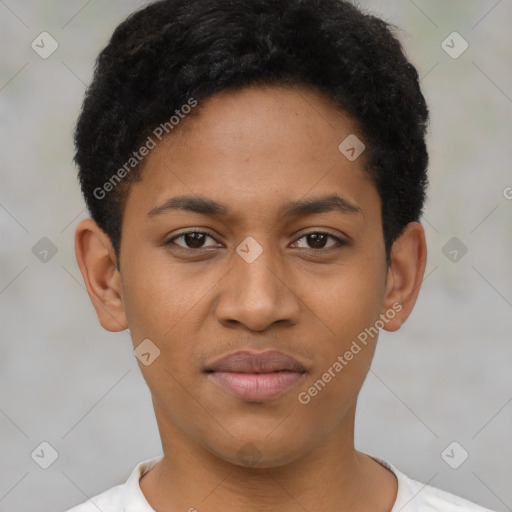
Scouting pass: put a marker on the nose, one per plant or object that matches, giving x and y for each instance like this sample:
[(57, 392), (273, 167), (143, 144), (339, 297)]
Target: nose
[(257, 294)]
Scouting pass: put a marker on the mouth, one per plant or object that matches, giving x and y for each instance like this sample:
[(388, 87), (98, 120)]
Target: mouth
[(256, 377)]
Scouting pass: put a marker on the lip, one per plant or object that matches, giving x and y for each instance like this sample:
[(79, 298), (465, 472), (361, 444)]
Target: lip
[(256, 377), (245, 361)]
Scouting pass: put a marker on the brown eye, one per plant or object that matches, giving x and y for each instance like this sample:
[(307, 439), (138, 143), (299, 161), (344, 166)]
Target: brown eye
[(191, 240), (194, 240), (318, 240)]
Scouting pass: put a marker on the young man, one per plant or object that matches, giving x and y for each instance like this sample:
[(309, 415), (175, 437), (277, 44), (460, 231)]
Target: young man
[(255, 172)]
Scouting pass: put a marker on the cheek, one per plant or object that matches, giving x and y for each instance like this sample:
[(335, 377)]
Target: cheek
[(345, 309), (345, 300), (160, 298), (348, 308)]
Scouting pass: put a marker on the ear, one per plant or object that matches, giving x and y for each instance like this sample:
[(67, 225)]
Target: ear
[(97, 261), (405, 274)]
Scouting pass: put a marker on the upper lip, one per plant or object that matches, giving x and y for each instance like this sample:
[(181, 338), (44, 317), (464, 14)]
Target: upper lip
[(245, 361)]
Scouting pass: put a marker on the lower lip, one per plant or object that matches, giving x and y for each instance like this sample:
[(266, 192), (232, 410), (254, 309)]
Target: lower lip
[(256, 387)]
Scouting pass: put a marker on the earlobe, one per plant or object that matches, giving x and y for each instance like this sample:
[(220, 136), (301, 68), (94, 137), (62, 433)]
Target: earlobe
[(405, 274), (97, 262)]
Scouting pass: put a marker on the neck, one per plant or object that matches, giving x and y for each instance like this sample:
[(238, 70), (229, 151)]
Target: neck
[(331, 476)]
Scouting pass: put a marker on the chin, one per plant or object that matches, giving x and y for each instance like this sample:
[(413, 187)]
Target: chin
[(260, 452)]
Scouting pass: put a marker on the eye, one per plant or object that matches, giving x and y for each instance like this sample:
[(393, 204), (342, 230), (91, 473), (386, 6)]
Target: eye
[(191, 240), (317, 240), (195, 240)]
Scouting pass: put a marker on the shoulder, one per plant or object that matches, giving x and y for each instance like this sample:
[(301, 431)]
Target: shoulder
[(126, 497), (414, 496), (111, 500)]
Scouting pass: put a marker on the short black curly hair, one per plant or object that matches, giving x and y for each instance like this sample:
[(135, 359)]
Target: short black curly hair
[(173, 50)]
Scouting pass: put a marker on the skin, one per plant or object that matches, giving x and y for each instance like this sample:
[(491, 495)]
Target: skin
[(255, 150)]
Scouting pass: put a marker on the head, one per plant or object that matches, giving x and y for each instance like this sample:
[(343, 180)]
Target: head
[(295, 129)]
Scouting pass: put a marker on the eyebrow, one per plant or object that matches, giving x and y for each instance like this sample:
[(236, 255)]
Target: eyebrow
[(301, 207)]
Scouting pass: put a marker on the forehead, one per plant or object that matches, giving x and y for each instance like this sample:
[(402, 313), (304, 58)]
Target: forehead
[(256, 149), (269, 121)]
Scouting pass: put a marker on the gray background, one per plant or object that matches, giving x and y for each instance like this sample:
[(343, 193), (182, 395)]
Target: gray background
[(444, 377)]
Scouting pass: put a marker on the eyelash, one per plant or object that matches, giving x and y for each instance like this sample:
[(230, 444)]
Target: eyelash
[(339, 241)]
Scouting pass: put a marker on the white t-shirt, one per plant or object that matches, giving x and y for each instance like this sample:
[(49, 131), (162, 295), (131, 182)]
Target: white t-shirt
[(412, 496)]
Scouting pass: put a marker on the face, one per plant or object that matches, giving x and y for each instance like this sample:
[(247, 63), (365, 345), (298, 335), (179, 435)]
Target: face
[(278, 246)]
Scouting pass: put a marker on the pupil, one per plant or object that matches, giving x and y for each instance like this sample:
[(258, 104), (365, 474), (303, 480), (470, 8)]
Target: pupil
[(197, 240), (315, 239)]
